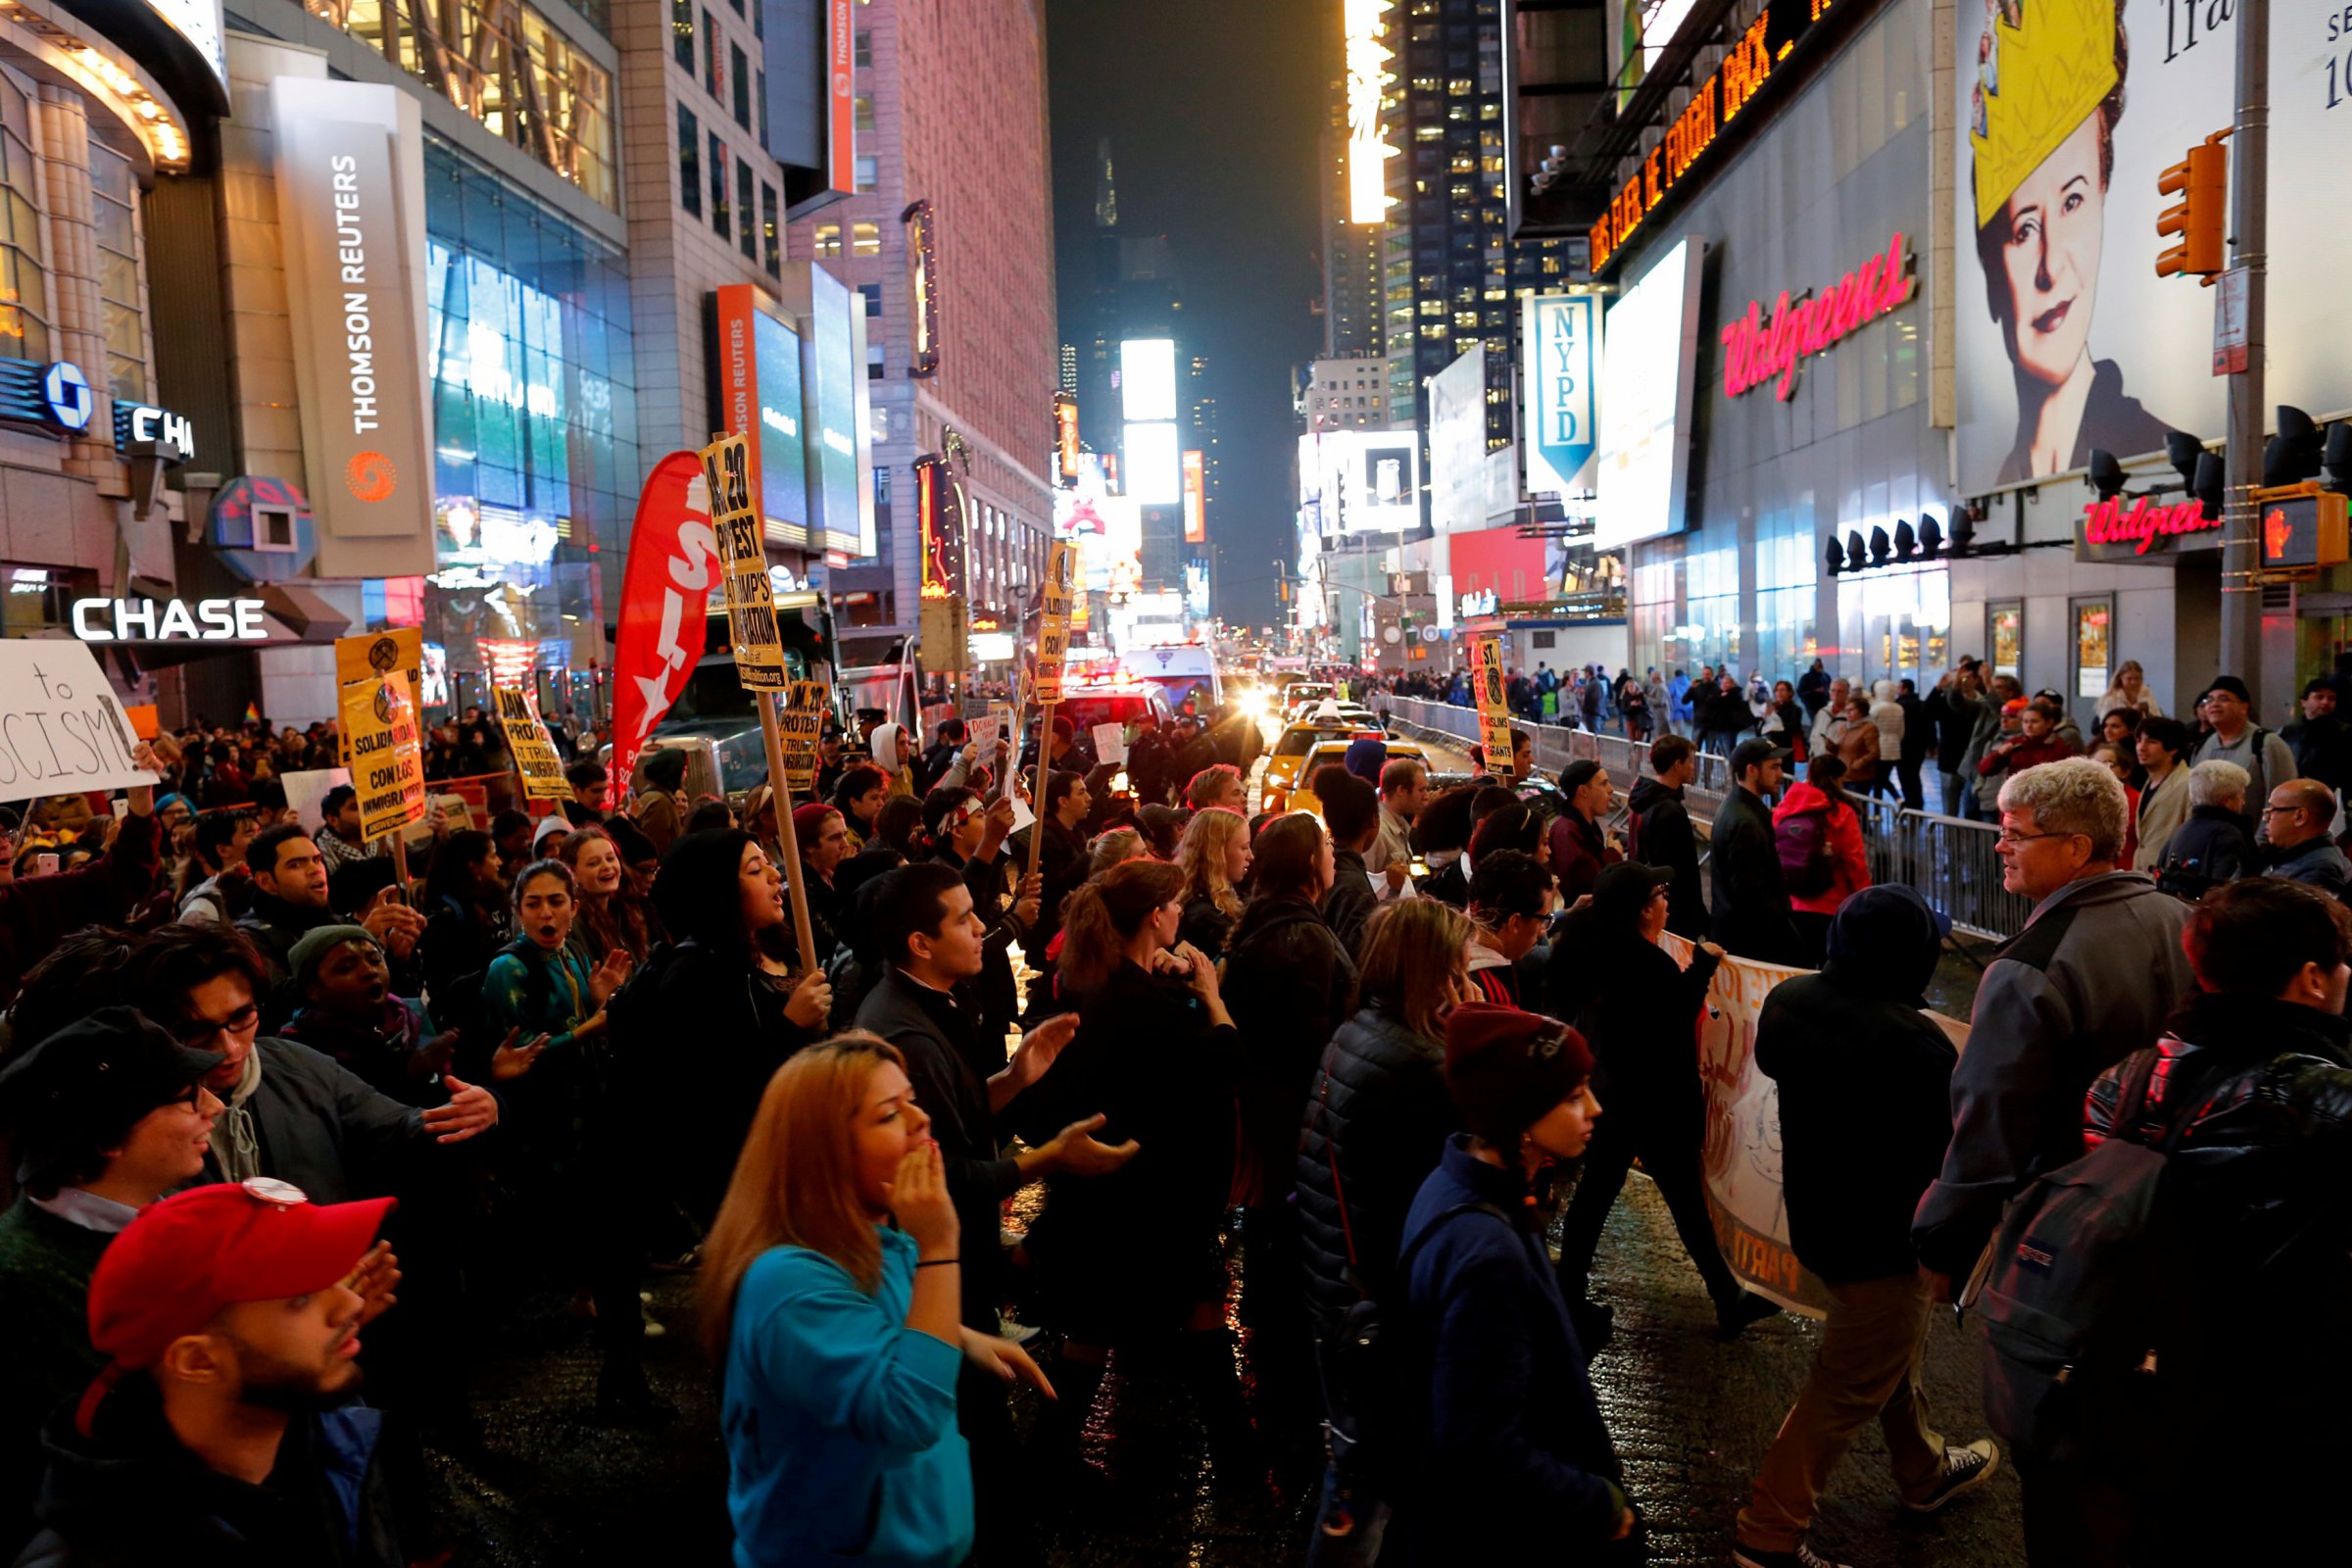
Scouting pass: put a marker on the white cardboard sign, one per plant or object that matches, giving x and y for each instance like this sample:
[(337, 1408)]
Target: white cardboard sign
[(62, 729), (1111, 742)]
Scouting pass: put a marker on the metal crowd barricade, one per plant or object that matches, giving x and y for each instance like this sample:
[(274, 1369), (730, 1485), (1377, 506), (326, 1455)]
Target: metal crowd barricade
[(1954, 864)]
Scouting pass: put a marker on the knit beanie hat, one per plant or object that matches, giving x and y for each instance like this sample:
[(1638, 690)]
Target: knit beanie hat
[(1506, 1068), (808, 821), (665, 769), (303, 960), (1365, 758)]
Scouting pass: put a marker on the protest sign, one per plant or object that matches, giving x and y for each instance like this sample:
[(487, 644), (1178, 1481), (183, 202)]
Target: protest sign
[(372, 655), (1053, 624), (1111, 742), (1493, 707), (535, 750), (743, 552), (387, 761), (62, 728), (800, 726), (306, 789)]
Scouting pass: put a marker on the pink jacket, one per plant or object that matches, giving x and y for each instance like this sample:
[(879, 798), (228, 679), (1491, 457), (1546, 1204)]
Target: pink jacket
[(1845, 846)]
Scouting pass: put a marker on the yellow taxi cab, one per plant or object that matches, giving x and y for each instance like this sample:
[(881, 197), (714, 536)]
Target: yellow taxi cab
[(1301, 795), (1289, 751)]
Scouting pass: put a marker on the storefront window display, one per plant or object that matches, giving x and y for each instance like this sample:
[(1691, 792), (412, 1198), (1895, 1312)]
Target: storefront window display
[(534, 414), (1899, 622), (2005, 637)]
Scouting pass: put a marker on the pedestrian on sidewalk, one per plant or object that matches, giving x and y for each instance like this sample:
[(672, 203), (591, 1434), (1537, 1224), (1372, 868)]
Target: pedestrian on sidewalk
[(2216, 845), (2299, 813), (1658, 832), (1865, 1086), (1818, 833), (1515, 1447), (1638, 1010), (2162, 746), (1749, 901)]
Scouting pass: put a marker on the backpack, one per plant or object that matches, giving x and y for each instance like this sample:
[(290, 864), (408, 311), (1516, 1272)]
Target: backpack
[(2080, 1307), (1808, 867)]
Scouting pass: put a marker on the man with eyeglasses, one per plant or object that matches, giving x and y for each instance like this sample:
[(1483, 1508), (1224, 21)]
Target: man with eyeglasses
[(2298, 814), (292, 1114), (2092, 978), (107, 1115)]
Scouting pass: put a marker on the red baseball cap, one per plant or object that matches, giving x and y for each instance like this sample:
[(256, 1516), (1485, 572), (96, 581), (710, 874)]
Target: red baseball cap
[(184, 1258)]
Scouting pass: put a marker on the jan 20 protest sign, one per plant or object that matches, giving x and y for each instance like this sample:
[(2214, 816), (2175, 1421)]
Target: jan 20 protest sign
[(535, 750), (1053, 624), (1494, 705), (380, 745), (751, 597), (62, 729), (1741, 1153), (800, 726)]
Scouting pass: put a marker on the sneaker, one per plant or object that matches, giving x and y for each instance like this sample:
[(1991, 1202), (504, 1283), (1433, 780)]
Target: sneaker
[(653, 1330), (1736, 1314), (1596, 1324), (1964, 1470), (1804, 1556)]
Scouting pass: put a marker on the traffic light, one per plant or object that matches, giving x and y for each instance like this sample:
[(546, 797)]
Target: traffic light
[(2200, 218), (2296, 452), (1835, 554)]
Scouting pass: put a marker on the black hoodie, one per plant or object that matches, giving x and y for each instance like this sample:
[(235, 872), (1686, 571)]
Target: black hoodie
[(1289, 984), (1659, 834), (131, 1496), (1865, 1080)]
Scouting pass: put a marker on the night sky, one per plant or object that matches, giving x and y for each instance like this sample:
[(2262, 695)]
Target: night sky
[(1213, 109)]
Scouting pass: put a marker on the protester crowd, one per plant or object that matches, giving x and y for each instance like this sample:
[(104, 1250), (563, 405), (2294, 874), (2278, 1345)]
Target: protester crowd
[(285, 1125)]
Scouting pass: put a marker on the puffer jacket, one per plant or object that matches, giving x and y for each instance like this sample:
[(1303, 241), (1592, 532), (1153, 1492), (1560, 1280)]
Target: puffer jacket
[(1288, 983), (1379, 1114), (2263, 1174)]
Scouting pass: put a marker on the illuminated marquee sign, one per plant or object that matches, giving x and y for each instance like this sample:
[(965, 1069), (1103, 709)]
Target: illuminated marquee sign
[(1755, 351), (2113, 531), (1065, 433), (1196, 498), (939, 510), (143, 621), (1368, 81), (1719, 99), (923, 284)]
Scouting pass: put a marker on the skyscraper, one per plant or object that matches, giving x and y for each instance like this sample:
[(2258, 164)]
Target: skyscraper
[(1351, 283)]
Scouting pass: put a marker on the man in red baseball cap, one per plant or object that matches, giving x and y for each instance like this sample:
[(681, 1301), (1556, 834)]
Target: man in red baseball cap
[(224, 1429)]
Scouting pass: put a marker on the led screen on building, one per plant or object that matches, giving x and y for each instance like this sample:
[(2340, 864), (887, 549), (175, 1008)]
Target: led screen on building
[(1148, 380), (833, 381), (783, 455), (1154, 464), (1650, 362), (1361, 481)]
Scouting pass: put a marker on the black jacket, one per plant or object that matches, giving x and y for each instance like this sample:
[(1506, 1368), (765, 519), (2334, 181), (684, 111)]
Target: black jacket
[(1953, 717), (2211, 848), (2263, 1177), (2316, 863), (2323, 749), (943, 1040), (1347, 908), (1865, 1083), (1749, 911), (1061, 868), (1134, 1251), (699, 1034), (1288, 983), (1378, 1109), (1658, 833), (131, 1496), (1639, 1011), (325, 1129), (1205, 926)]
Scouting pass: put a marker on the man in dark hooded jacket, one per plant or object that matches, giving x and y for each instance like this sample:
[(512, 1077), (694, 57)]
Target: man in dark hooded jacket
[(1658, 833), (1865, 1083)]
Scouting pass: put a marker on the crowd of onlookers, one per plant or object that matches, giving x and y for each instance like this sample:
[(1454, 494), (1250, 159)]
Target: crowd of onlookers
[(282, 1120)]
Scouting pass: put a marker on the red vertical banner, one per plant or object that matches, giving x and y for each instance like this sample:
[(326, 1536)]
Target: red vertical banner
[(841, 107), (1196, 498), (674, 560)]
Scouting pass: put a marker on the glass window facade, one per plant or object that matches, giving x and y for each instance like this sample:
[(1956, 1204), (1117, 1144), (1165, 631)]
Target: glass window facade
[(115, 195), (535, 419), (747, 232), (509, 68), (772, 230), (690, 162), (718, 186), (681, 26), (24, 283), (739, 74)]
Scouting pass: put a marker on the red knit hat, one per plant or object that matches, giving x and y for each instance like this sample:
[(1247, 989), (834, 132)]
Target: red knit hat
[(808, 821), (1506, 1068)]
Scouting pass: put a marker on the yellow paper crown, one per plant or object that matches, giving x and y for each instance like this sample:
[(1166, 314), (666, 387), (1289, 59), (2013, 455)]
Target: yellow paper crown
[(2051, 71)]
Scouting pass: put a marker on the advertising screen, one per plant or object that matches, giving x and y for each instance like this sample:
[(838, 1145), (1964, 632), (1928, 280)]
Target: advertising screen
[(1649, 364), (1148, 380), (1154, 464), (1195, 588), (1361, 481), (2066, 338), (833, 378), (1457, 444), (1562, 333), (783, 458), (1108, 530)]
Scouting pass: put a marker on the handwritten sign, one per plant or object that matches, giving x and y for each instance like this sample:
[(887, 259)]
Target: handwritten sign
[(1493, 706), (800, 725), (1054, 625), (535, 757), (381, 748), (750, 599), (1111, 742), (62, 728)]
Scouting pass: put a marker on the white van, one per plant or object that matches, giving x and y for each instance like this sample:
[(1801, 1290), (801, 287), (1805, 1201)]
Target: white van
[(1182, 671)]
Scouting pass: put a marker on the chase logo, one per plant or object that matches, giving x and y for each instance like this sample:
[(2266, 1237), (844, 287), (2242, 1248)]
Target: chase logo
[(65, 394)]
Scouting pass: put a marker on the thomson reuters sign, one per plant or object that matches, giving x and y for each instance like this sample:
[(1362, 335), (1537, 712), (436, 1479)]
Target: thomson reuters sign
[(353, 248)]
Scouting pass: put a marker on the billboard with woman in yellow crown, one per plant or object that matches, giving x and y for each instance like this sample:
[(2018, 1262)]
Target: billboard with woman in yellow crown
[(2065, 337)]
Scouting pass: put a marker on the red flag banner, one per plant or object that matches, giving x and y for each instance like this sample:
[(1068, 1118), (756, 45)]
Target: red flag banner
[(674, 560)]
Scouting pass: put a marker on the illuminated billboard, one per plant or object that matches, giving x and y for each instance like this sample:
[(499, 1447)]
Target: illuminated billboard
[(1361, 481), (833, 389), (1457, 444), (1195, 588), (1108, 530), (1155, 465), (1368, 81), (1196, 498), (1650, 362), (1148, 380), (1562, 334), (759, 371)]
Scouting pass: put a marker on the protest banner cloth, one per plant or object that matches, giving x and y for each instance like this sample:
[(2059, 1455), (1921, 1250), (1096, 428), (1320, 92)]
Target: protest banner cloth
[(1053, 646), (63, 731), (536, 763), (386, 758), (664, 604), (1493, 706)]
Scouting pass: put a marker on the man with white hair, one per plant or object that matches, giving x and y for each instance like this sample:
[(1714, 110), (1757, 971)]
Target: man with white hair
[(2216, 845), (2092, 978)]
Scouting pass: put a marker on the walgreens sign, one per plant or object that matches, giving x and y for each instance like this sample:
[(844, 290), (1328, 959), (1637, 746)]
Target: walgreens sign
[(1757, 349)]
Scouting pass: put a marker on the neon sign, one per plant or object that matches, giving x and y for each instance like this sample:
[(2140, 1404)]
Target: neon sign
[(1754, 352), (2106, 522), (1368, 81)]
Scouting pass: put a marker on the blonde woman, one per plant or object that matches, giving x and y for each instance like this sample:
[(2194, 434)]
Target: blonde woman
[(831, 1295), (1214, 857), (2131, 690)]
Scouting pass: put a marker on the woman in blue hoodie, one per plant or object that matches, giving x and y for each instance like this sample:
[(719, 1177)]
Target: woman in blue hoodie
[(1515, 1449)]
